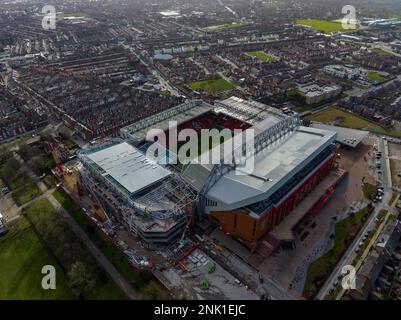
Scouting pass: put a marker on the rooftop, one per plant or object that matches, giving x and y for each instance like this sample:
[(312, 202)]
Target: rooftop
[(255, 113), (346, 136), (128, 167), (273, 167)]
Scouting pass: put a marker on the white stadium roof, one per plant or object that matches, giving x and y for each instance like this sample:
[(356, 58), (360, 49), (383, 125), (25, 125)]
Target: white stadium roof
[(274, 166), (128, 167)]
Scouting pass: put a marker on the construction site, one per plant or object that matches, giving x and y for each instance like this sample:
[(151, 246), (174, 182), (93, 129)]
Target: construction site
[(164, 216)]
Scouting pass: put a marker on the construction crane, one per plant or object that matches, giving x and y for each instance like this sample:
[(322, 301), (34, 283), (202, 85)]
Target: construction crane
[(56, 158), (186, 228), (183, 266)]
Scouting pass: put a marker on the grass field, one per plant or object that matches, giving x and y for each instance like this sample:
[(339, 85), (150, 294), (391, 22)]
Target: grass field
[(320, 269), (140, 280), (381, 52), (380, 219), (40, 213), (22, 257), (376, 76), (212, 86), (49, 182), (261, 56), (74, 14), (368, 190), (395, 166), (69, 206), (322, 25), (26, 193), (349, 120), (199, 146)]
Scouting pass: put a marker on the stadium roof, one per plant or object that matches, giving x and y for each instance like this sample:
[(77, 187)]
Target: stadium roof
[(346, 136), (255, 113), (274, 166), (181, 113), (128, 167)]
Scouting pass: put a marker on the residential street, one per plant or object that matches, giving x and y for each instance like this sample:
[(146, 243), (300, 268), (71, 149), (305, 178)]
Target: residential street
[(350, 254)]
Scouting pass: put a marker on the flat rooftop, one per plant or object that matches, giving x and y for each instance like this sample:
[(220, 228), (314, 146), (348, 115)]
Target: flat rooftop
[(273, 167), (346, 136), (127, 166)]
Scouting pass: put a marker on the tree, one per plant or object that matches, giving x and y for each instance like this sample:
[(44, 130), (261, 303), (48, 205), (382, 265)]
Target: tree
[(4, 154), (153, 292), (38, 165), (80, 279), (10, 169), (64, 132), (25, 151)]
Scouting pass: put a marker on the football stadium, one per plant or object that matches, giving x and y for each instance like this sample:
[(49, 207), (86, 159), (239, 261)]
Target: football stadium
[(159, 201)]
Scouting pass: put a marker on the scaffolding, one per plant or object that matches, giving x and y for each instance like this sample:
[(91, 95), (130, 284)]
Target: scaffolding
[(158, 213)]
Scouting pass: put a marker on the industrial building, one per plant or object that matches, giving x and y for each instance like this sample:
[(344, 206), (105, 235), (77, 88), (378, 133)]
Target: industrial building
[(290, 160), (314, 93)]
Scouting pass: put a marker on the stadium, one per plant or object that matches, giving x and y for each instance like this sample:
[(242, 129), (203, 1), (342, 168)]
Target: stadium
[(158, 202)]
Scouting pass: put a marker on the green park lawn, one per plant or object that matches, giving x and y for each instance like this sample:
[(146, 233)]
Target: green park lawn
[(349, 120), (41, 213), (322, 25), (26, 193), (212, 86), (141, 280), (22, 257), (381, 52), (376, 76), (261, 56)]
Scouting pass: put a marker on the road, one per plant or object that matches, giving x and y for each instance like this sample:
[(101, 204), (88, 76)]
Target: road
[(383, 46), (355, 92), (350, 254), (103, 261), (163, 82)]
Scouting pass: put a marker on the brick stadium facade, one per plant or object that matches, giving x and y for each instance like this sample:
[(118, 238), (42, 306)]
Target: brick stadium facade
[(250, 231)]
